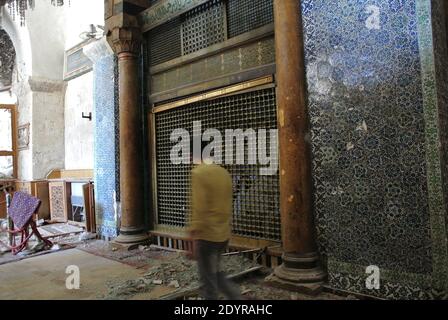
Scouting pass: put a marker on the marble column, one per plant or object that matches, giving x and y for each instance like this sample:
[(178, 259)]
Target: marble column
[(300, 269), (126, 43)]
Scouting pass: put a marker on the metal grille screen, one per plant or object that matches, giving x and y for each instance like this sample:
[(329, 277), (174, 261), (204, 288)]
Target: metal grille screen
[(164, 42), (247, 15), (203, 26), (256, 197)]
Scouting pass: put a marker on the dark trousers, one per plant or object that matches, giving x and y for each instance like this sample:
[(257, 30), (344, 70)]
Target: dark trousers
[(212, 279)]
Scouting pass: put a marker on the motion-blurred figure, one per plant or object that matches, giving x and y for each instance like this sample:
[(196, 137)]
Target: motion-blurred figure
[(210, 227)]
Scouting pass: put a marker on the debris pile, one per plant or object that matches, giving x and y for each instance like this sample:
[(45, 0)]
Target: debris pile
[(177, 273)]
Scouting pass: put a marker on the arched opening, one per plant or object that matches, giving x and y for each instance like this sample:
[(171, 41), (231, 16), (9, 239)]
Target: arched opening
[(8, 159), (7, 60)]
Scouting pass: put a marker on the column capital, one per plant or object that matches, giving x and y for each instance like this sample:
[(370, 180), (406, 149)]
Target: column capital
[(122, 25), (125, 40), (37, 84)]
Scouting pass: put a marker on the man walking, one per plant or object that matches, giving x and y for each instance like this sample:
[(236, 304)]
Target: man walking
[(210, 227)]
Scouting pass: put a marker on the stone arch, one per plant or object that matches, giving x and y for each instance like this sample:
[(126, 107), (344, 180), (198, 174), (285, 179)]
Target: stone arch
[(21, 40), (7, 60)]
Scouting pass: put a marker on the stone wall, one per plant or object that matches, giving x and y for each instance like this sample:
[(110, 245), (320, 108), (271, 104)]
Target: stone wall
[(38, 86), (40, 46), (79, 131), (47, 126), (79, 95)]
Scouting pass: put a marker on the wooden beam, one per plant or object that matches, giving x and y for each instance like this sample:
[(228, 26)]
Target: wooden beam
[(212, 84), (215, 94), (238, 242)]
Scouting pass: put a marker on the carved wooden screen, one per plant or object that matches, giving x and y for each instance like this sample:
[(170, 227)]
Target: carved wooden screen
[(59, 200)]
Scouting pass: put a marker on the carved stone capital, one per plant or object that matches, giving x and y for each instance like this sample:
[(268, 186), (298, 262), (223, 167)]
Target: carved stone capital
[(37, 84), (125, 40)]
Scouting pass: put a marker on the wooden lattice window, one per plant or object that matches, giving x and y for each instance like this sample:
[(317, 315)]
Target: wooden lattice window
[(8, 142)]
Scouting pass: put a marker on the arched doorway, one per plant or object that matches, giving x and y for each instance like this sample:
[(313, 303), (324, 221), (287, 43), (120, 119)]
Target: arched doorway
[(8, 156), (7, 61)]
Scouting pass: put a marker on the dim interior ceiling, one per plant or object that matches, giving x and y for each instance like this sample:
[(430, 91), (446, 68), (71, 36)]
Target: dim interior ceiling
[(7, 59)]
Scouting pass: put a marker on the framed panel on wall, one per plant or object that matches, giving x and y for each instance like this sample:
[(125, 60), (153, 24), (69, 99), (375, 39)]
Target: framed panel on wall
[(23, 137), (76, 62)]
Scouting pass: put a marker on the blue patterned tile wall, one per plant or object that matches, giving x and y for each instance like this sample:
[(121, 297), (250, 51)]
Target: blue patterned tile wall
[(106, 151), (370, 109)]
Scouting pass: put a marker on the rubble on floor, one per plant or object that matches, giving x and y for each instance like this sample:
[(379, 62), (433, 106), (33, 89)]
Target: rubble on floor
[(177, 276), (170, 275), (58, 230), (176, 272)]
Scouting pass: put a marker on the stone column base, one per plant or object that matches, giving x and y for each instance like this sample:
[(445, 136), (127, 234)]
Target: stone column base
[(304, 288), (299, 273), (131, 238)]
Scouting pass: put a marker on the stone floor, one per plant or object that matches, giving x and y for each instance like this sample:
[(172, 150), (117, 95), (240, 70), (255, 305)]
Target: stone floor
[(44, 277), (110, 273)]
